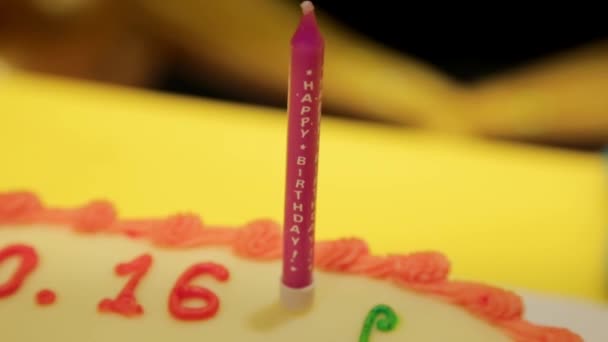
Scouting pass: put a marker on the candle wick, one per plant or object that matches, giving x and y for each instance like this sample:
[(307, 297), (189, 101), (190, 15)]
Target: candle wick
[(307, 7)]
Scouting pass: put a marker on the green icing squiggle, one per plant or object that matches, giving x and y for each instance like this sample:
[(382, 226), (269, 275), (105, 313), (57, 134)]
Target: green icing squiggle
[(386, 323)]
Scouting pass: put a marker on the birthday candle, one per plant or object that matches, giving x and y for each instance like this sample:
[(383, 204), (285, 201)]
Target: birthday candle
[(304, 109)]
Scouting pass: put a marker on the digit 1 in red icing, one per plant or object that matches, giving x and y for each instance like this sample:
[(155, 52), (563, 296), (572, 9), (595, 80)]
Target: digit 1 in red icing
[(28, 262), (125, 303), (182, 291)]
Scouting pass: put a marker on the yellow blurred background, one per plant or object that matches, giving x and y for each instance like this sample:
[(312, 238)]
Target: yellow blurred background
[(503, 175)]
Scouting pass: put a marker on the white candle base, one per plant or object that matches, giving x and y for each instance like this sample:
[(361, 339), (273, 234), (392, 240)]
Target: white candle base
[(297, 299)]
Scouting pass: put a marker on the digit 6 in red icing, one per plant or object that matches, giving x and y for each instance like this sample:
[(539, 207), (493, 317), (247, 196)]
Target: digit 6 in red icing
[(183, 290), (29, 261)]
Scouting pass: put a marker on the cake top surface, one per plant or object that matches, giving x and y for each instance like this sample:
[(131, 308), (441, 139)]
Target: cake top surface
[(423, 272)]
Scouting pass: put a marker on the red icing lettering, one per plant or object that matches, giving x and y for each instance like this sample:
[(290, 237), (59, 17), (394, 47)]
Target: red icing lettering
[(46, 297), (125, 303), (29, 261), (182, 290)]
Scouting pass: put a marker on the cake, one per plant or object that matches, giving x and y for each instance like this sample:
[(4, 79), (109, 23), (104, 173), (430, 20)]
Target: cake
[(83, 274)]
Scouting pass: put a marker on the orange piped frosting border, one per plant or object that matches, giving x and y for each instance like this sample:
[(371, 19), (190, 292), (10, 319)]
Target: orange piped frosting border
[(424, 272)]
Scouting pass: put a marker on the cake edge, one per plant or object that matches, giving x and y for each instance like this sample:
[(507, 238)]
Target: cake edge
[(423, 272)]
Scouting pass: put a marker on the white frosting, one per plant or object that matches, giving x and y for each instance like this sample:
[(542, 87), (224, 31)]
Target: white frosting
[(80, 269)]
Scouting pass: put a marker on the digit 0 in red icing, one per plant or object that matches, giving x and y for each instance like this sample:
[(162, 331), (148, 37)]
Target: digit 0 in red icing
[(125, 303), (183, 291), (28, 262)]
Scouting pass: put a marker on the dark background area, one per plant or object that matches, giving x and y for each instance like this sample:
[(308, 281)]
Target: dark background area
[(466, 41), (470, 42)]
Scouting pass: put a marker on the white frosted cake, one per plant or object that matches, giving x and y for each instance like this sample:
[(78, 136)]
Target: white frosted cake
[(83, 274)]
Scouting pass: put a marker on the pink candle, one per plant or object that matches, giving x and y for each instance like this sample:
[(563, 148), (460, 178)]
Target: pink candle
[(304, 107)]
